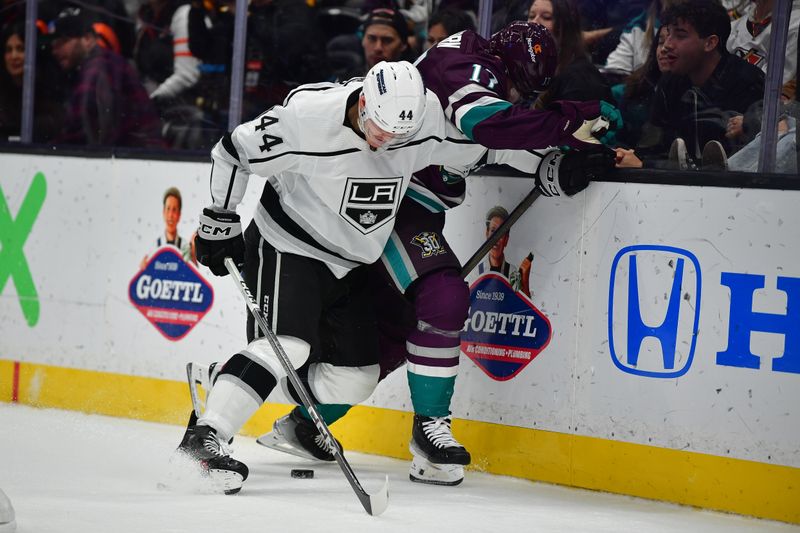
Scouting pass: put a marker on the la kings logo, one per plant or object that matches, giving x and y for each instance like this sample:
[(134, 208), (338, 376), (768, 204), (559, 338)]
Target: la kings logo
[(369, 203)]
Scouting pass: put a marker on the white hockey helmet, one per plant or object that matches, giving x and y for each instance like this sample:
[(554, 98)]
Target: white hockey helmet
[(394, 99)]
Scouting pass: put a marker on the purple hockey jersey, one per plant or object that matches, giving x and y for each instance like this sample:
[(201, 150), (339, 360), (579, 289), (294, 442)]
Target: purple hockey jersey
[(473, 87)]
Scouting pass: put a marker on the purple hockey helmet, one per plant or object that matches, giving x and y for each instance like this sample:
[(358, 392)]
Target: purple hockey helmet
[(529, 53)]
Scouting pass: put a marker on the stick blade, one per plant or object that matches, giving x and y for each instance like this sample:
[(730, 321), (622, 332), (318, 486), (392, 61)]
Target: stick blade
[(379, 501)]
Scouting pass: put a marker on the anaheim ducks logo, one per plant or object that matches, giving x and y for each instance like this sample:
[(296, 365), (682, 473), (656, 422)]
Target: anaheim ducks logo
[(428, 242), (369, 203)]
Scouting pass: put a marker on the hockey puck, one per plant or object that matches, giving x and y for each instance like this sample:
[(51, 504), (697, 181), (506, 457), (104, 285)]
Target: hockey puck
[(302, 474)]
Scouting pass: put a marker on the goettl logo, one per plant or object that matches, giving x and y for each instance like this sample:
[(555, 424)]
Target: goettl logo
[(171, 294), (504, 331)]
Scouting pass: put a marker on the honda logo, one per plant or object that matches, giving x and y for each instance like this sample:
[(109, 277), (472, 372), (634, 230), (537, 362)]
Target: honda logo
[(654, 310)]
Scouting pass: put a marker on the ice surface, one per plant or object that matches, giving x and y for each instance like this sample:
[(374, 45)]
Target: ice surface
[(67, 472)]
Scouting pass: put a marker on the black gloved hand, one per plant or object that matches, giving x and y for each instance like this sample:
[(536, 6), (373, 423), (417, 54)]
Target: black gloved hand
[(580, 167), (219, 236), (565, 173)]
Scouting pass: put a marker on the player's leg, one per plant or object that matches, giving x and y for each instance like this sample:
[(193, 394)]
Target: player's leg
[(441, 301), (247, 378), (421, 263), (345, 373), (295, 433)]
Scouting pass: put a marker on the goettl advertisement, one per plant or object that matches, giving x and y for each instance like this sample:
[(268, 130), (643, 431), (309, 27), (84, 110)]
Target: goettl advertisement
[(169, 290), (504, 331)]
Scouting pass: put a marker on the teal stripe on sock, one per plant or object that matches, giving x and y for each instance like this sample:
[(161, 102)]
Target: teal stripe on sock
[(330, 412), (431, 396)]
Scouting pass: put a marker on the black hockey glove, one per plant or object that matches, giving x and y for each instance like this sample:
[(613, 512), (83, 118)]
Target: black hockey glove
[(219, 236), (570, 172)]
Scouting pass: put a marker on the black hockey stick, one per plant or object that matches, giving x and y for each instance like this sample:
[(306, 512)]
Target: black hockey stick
[(373, 504), (501, 230)]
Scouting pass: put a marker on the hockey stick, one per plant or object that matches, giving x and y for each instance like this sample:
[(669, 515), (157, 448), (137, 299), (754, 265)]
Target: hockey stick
[(501, 230), (373, 504)]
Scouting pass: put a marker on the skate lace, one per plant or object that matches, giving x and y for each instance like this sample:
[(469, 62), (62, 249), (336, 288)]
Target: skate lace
[(323, 444), (437, 429), (211, 444)]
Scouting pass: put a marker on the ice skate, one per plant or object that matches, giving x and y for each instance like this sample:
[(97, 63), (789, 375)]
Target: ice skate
[(439, 458), (297, 435), (714, 156), (202, 446)]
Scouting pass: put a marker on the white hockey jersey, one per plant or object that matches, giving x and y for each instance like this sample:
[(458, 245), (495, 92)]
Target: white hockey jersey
[(632, 50), (328, 196), (755, 48)]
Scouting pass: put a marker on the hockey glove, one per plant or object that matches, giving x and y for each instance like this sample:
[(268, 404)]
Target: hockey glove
[(219, 236), (590, 123), (568, 173)]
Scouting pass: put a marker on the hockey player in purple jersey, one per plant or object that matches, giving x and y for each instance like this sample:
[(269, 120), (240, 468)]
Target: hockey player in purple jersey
[(422, 301), (477, 81)]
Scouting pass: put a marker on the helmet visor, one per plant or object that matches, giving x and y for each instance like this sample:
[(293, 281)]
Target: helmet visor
[(377, 137)]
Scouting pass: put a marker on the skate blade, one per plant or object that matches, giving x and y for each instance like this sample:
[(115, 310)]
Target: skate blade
[(275, 441), (225, 481), (185, 475), (423, 471)]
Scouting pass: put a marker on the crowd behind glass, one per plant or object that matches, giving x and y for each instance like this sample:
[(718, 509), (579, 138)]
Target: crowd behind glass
[(156, 74)]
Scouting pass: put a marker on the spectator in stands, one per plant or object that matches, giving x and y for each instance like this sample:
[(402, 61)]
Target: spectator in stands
[(385, 37), (416, 12), (114, 27), (706, 87), (749, 39), (603, 21), (735, 8), (107, 104), (446, 22), (636, 41), (276, 59), (635, 96), (576, 77), (211, 32), (47, 89), (167, 67)]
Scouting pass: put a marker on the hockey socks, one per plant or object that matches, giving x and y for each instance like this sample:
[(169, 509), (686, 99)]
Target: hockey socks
[(431, 396), (330, 413)]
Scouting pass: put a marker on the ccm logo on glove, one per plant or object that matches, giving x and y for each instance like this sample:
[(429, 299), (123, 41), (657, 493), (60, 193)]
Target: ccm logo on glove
[(219, 235), (549, 186)]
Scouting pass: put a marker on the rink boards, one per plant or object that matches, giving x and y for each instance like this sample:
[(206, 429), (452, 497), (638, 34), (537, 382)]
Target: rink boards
[(658, 354)]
